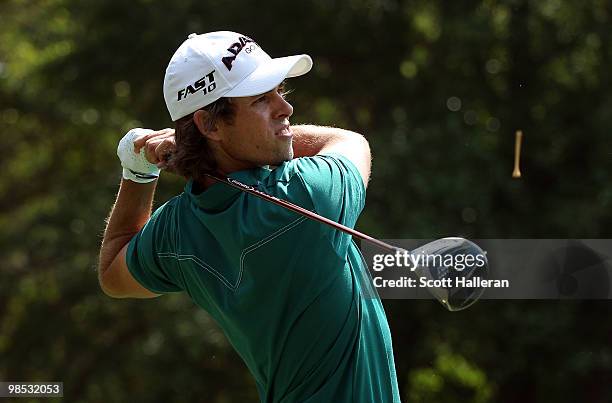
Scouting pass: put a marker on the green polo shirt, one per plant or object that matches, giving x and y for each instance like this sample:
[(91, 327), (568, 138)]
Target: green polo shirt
[(292, 295)]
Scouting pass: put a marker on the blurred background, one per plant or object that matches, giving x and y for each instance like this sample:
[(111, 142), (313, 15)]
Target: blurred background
[(438, 88)]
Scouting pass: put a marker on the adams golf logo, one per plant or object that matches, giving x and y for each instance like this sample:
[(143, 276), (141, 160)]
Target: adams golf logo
[(236, 48), (206, 84)]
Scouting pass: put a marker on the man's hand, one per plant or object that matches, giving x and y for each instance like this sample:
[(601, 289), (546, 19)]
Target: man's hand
[(143, 152), (158, 145)]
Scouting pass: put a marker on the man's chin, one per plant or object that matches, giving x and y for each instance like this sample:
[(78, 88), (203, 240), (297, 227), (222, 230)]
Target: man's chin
[(281, 157), (287, 156)]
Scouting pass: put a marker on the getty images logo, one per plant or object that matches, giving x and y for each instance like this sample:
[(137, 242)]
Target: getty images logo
[(235, 48), (206, 84)]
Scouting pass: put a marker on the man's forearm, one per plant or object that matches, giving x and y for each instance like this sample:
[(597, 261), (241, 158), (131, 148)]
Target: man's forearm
[(129, 214), (309, 140)]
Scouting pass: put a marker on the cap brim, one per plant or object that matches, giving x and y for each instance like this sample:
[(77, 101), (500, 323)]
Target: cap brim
[(269, 75)]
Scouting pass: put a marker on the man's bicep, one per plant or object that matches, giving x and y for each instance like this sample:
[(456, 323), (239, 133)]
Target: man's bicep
[(118, 282), (357, 150), (334, 186)]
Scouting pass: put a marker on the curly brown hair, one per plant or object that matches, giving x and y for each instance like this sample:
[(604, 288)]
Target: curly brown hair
[(193, 157)]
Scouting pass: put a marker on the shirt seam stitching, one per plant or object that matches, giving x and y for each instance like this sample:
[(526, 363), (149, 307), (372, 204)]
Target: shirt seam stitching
[(264, 241), (249, 249)]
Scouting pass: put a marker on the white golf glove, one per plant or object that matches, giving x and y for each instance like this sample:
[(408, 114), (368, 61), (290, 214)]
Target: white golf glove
[(135, 166)]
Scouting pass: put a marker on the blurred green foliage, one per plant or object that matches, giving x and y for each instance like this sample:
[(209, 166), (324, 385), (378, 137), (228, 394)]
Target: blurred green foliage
[(438, 88)]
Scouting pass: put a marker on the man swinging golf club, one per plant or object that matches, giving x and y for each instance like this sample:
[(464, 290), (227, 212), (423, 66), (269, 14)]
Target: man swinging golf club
[(287, 291)]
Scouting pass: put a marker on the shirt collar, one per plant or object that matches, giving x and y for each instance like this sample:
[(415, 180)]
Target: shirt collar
[(219, 195)]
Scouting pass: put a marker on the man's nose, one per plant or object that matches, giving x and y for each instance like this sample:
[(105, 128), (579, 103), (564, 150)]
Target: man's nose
[(283, 108)]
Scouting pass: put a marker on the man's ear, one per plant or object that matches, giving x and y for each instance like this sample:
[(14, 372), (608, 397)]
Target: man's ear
[(200, 118)]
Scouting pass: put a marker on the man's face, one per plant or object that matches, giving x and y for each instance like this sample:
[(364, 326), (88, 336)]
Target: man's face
[(260, 133)]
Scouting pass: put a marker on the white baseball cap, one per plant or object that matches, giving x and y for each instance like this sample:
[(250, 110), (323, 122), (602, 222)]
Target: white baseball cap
[(223, 64)]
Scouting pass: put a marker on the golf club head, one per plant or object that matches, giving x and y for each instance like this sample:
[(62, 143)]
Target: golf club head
[(457, 286)]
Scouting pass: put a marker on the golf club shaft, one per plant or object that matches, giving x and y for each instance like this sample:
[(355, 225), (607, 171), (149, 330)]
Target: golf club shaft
[(300, 210)]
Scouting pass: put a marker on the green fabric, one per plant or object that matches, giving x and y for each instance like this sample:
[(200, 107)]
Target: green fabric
[(293, 296)]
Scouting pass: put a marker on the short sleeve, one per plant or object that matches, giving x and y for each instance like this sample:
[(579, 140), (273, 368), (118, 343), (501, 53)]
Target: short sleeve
[(334, 185), (143, 256)]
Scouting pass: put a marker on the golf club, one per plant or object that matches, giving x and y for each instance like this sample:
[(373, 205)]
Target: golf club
[(452, 298)]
